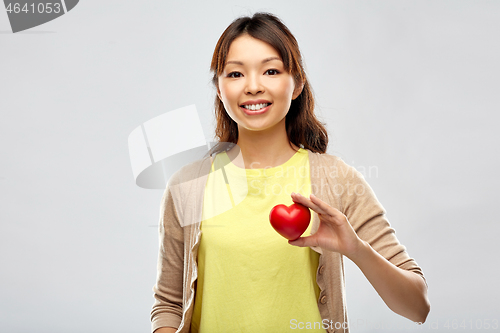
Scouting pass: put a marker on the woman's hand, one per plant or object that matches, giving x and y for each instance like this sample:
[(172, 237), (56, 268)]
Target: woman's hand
[(403, 291), (335, 233)]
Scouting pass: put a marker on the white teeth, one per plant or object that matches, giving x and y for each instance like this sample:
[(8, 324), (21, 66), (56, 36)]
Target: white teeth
[(254, 107)]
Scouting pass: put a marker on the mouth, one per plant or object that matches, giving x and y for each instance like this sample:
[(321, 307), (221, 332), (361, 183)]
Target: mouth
[(254, 109)]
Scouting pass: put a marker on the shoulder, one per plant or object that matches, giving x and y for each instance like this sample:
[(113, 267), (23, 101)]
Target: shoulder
[(324, 158), (187, 182), (191, 171), (349, 184), (333, 165), (329, 159)]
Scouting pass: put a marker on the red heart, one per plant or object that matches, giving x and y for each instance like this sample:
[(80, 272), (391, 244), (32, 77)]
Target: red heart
[(290, 222)]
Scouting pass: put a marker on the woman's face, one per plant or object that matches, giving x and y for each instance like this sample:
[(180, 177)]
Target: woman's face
[(254, 86)]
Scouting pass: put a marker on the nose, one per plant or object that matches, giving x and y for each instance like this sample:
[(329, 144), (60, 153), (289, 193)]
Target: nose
[(253, 85)]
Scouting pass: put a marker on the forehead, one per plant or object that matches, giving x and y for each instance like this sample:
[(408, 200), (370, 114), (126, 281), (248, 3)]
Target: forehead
[(248, 49)]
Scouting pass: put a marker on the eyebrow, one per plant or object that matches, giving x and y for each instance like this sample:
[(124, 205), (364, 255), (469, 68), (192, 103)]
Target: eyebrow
[(263, 61)]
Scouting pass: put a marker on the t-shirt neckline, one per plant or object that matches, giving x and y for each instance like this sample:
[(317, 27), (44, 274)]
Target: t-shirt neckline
[(266, 172)]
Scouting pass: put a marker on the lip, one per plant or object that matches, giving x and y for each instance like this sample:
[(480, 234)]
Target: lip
[(256, 101), (253, 113)]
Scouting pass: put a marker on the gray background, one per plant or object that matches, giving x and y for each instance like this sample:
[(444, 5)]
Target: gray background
[(407, 87)]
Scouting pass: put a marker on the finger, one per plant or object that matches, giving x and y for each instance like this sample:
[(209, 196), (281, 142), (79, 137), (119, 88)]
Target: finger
[(299, 198), (295, 197), (329, 210), (300, 242)]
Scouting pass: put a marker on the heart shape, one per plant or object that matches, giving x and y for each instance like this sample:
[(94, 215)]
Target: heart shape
[(290, 221)]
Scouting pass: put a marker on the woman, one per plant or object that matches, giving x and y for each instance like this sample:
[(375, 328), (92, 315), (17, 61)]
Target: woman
[(221, 267)]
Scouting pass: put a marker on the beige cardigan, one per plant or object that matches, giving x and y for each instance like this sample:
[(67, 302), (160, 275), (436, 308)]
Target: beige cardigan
[(332, 180)]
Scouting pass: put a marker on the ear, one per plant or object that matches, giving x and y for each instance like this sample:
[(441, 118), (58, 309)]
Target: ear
[(298, 90), (218, 92)]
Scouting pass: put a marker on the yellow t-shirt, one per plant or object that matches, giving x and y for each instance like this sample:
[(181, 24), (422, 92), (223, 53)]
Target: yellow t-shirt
[(250, 279)]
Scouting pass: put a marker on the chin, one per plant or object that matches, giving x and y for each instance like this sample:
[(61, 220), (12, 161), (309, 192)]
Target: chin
[(258, 127)]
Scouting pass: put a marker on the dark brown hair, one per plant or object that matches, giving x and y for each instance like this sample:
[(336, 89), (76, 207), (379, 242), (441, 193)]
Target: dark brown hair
[(302, 127)]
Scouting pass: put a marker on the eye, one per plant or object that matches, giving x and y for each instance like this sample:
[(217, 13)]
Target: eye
[(234, 74), (272, 71)]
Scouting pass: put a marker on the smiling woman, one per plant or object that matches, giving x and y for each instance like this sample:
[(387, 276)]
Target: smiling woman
[(255, 88), (257, 61), (230, 271)]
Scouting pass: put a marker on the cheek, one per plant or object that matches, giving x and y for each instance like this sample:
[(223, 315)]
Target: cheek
[(227, 93), (228, 96), (285, 89)]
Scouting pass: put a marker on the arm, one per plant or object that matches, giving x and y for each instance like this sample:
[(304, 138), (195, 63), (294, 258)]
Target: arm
[(166, 330), (166, 312), (403, 291), (364, 235)]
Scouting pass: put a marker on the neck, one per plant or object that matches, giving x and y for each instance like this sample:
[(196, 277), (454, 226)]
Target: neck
[(263, 149)]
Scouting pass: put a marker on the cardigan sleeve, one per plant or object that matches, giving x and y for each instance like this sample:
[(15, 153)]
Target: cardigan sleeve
[(368, 218), (168, 290)]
